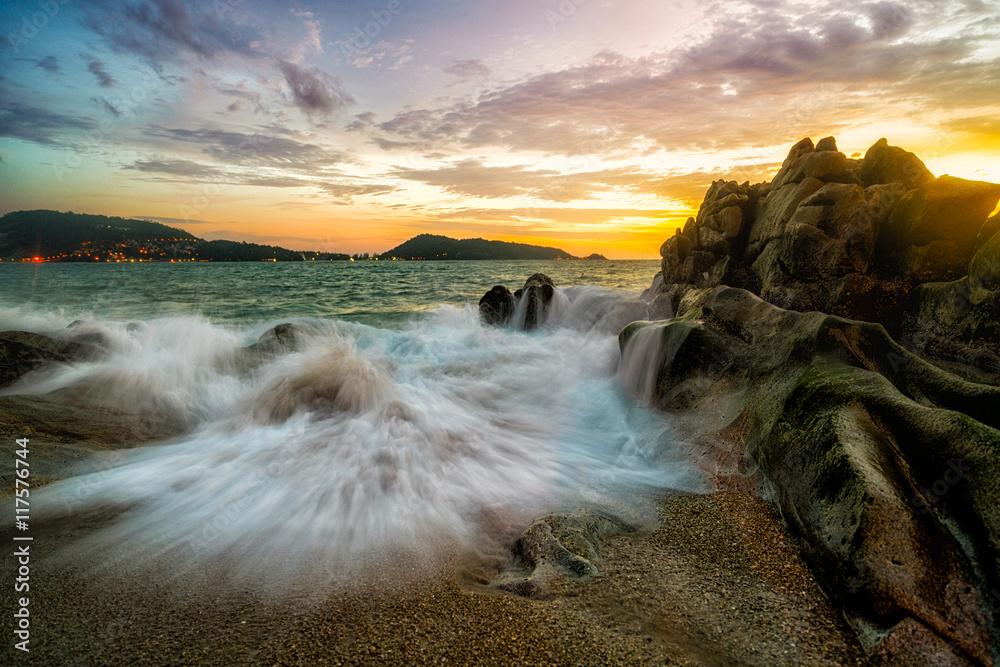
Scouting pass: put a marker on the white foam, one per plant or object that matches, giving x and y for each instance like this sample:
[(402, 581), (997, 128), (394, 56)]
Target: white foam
[(364, 439)]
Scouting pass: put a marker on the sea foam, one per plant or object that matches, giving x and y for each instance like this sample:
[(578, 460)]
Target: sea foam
[(362, 440)]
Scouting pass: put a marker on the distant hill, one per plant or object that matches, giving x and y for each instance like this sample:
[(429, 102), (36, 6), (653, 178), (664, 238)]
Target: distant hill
[(431, 246), (51, 234), (75, 237)]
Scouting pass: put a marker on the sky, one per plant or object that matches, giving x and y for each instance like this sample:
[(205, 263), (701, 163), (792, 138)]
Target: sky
[(588, 125)]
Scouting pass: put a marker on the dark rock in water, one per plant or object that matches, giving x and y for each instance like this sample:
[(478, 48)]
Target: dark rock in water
[(537, 294), (596, 256), (497, 306), (281, 338), (22, 352), (555, 546), (890, 164), (891, 490)]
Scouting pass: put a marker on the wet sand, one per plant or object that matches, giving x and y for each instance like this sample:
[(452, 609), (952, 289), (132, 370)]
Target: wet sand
[(718, 583)]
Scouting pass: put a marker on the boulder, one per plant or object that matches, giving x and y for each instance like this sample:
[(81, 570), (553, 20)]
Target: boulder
[(497, 306), (536, 295), (890, 164), (893, 493), (524, 309), (22, 352), (284, 337), (945, 209), (675, 252), (557, 546)]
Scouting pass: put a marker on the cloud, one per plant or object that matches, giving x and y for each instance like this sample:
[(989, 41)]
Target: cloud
[(761, 77), (175, 167), (582, 216), (471, 178), (165, 30), (38, 125), (468, 69), (255, 150), (104, 79), (108, 106), (313, 90), (50, 64), (345, 192), (380, 54)]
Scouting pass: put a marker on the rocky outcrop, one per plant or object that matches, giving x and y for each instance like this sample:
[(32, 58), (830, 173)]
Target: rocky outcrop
[(890, 164), (894, 493), (846, 237), (791, 297), (524, 309)]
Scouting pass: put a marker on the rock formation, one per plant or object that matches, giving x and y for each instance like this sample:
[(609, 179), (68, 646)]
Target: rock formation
[(22, 352), (848, 315), (524, 309), (846, 237)]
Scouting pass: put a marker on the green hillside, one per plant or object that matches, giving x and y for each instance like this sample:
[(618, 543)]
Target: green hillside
[(431, 246)]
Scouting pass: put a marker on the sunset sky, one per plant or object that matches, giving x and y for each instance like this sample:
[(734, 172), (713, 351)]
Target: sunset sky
[(351, 126)]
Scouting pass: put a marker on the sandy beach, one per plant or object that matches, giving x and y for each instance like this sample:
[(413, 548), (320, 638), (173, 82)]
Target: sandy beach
[(718, 582)]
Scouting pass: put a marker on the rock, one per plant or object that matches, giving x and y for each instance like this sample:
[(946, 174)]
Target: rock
[(822, 260), (957, 324), (497, 306), (557, 546), (774, 212), (988, 231), (891, 490), (827, 144), (675, 251), (823, 162), (890, 164), (22, 352), (537, 294), (935, 262), (945, 209), (284, 337), (827, 166), (524, 309), (984, 269)]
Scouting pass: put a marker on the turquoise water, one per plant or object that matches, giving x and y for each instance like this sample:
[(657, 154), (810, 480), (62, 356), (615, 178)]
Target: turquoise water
[(398, 420)]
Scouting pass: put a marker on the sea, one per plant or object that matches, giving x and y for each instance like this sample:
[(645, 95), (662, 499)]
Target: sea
[(398, 420)]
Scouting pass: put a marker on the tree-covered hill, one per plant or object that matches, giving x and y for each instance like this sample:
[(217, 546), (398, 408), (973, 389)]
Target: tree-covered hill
[(52, 236), (55, 235), (431, 246)]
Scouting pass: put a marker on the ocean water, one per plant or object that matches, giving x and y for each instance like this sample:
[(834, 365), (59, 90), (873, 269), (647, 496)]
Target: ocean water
[(397, 421)]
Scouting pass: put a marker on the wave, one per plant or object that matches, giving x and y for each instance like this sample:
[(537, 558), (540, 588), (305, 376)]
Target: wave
[(357, 440)]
